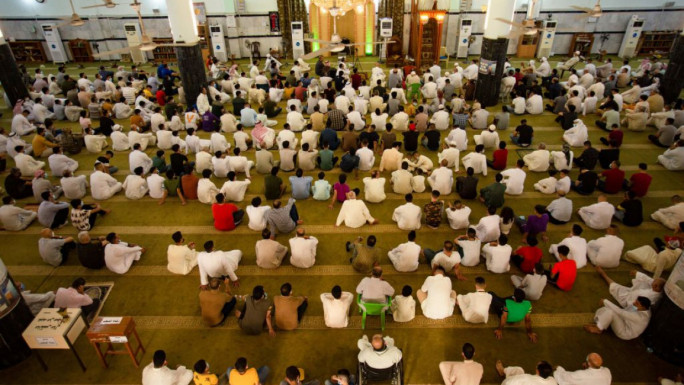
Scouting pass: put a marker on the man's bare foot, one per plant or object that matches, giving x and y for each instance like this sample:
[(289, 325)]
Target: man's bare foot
[(593, 329), (500, 368), (461, 278), (107, 211), (375, 222), (299, 222)]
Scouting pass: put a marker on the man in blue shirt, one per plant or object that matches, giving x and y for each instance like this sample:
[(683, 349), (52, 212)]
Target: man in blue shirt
[(248, 116), (300, 185)]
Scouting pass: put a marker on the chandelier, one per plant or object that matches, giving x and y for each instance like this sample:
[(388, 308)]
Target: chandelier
[(339, 7)]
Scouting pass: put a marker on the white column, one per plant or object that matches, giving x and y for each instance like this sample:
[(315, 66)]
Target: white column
[(182, 20), (503, 9)]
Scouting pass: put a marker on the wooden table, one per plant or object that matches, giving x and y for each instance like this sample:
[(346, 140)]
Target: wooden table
[(52, 330), (114, 330)]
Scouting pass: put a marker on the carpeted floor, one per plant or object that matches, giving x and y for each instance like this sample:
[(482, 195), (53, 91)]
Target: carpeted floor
[(166, 309)]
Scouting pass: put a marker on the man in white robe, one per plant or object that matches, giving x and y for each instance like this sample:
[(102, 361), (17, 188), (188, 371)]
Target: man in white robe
[(119, 256), (593, 373), (672, 215), (475, 306), (576, 244), (538, 160), (642, 286), (599, 215), (607, 250), (627, 323)]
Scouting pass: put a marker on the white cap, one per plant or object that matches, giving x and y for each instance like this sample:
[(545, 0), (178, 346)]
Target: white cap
[(577, 52), (441, 106), (492, 127), (413, 72), (543, 59)]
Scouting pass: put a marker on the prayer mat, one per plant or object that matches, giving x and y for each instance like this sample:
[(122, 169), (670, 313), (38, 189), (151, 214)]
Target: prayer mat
[(98, 290)]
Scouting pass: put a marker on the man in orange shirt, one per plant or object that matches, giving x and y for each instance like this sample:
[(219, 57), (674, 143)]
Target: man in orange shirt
[(41, 146), (138, 121)]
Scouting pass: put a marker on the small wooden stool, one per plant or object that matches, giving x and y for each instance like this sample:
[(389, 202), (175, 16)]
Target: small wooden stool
[(114, 330)]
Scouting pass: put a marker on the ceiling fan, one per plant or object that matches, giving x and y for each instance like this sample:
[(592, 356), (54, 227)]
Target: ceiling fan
[(74, 21), (527, 27), (590, 12), (146, 42), (107, 3), (335, 43)]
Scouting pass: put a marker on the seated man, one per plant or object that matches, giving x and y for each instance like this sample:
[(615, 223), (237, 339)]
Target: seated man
[(405, 257), (533, 284), (269, 252), (379, 353), (642, 286), (515, 375), (226, 215), (607, 250), (254, 314), (289, 309), (576, 244), (627, 323), (241, 373), (403, 305), (670, 216), (15, 218), (119, 255), (466, 372), (437, 299), (653, 261), (487, 228), (75, 296), (91, 251), (448, 258), (303, 250), (599, 215), (281, 218), (408, 215), (364, 256), (563, 273), (54, 249), (216, 304), (593, 373), (216, 263), (497, 255), (157, 372), (181, 258), (336, 307), (475, 306), (354, 212), (512, 310), (374, 288)]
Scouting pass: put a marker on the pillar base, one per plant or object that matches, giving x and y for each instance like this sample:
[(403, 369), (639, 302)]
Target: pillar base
[(10, 77), (489, 77), (192, 73), (673, 81)]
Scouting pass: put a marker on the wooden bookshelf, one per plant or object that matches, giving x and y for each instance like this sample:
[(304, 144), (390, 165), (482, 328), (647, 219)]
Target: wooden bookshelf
[(655, 43), (81, 50), (165, 54), (30, 51)]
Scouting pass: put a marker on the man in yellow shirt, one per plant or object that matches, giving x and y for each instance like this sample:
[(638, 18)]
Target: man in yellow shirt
[(242, 374), (41, 146), (202, 375)]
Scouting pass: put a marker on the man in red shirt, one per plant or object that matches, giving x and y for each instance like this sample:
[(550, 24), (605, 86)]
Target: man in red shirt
[(226, 215), (640, 181), (525, 257), (614, 179), (563, 273), (615, 135), (500, 157), (161, 97), (356, 79), (300, 92)]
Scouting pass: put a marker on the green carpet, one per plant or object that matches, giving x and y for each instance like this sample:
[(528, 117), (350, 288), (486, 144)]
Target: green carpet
[(166, 309)]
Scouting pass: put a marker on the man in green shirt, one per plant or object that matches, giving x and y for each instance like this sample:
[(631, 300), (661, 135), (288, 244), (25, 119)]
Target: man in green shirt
[(172, 187), (493, 195), (273, 185), (512, 310), (364, 257), (159, 162), (326, 160)]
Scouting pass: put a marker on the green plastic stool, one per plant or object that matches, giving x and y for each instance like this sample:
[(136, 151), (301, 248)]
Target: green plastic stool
[(370, 308)]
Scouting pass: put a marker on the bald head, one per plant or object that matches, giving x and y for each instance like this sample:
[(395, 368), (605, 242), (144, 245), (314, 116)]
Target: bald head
[(594, 360), (46, 233), (300, 232), (377, 342), (602, 198), (657, 285)]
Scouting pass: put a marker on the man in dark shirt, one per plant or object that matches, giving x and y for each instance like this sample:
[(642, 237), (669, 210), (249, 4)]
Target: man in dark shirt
[(431, 138), (356, 79), (17, 187), (106, 124), (271, 108), (433, 211), (586, 182), (493, 195), (179, 161), (630, 212), (349, 139), (90, 252), (614, 179), (329, 136), (411, 140), (608, 155), (466, 186), (370, 136), (523, 134), (567, 118), (273, 185), (337, 120), (588, 158), (381, 91), (238, 103), (350, 162)]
